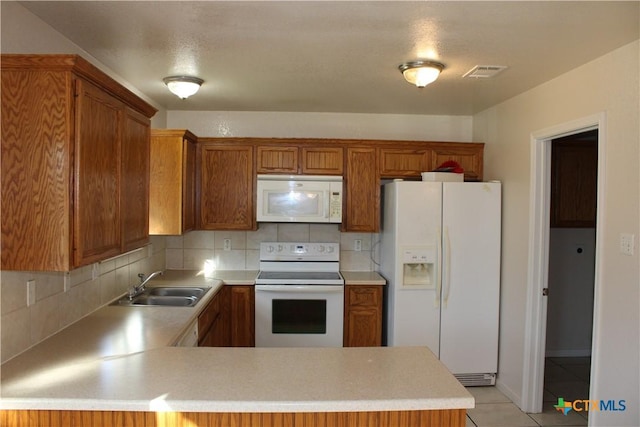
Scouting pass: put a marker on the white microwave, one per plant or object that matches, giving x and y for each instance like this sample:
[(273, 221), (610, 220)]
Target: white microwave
[(299, 198)]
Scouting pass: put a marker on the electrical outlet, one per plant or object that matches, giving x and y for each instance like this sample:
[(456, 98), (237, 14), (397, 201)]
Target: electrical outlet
[(227, 244), (67, 282), (357, 245), (31, 292), (627, 243), (94, 271)]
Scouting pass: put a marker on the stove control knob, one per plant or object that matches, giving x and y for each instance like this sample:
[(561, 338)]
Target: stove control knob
[(270, 249), (320, 248), (330, 249), (280, 248)]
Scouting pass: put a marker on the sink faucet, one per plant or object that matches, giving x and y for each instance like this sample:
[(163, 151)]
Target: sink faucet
[(137, 290)]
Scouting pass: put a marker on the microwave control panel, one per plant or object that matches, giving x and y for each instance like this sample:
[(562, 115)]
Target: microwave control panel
[(335, 202)]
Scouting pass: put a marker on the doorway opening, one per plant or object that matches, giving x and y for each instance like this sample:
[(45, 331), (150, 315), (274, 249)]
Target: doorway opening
[(572, 241), (539, 254)]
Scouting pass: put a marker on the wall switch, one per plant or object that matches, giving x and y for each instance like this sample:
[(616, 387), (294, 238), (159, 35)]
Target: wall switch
[(94, 271), (67, 282), (227, 244), (357, 245), (627, 243), (150, 250), (31, 292)]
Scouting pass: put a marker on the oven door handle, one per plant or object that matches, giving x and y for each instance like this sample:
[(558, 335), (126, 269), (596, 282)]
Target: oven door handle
[(300, 288)]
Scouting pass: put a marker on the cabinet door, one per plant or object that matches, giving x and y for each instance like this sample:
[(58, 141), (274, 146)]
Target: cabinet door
[(362, 191), (574, 183), (469, 156), (172, 192), (242, 316), (189, 185), (226, 187), (36, 170), (397, 163), (135, 180), (363, 316), (277, 159), (97, 228), (322, 160)]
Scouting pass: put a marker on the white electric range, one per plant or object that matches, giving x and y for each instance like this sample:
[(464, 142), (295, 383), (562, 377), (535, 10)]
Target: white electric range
[(299, 295)]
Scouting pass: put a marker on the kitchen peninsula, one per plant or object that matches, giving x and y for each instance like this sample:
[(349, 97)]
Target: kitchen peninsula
[(117, 366)]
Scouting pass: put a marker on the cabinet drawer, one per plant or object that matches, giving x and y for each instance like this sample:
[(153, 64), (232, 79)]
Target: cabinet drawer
[(365, 296)]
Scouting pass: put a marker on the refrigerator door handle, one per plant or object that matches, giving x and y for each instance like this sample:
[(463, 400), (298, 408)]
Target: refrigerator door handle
[(437, 264), (447, 267)]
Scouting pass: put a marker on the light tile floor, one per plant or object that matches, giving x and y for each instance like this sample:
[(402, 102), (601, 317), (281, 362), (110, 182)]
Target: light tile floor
[(564, 377)]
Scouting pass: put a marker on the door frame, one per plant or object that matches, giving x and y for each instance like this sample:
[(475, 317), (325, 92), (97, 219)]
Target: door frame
[(538, 262)]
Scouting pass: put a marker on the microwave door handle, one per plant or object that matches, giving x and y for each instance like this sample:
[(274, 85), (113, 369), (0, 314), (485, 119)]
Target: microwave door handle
[(327, 204)]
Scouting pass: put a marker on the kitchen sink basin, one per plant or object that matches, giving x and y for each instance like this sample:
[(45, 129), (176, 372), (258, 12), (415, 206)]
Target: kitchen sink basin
[(173, 301), (178, 296), (176, 292)]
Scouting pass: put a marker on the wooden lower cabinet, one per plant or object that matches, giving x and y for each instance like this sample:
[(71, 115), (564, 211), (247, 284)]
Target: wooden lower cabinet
[(431, 418), (362, 316), (228, 319), (242, 315)]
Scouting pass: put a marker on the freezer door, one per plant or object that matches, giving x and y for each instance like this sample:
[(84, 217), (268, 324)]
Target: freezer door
[(471, 277), (412, 218)]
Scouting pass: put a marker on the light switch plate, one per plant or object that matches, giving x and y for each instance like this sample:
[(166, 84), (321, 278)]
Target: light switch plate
[(627, 243)]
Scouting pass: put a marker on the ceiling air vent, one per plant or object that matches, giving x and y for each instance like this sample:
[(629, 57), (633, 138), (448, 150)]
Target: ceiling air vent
[(484, 71)]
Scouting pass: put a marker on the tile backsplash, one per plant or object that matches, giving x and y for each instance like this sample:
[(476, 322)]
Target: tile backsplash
[(190, 251), (63, 298)]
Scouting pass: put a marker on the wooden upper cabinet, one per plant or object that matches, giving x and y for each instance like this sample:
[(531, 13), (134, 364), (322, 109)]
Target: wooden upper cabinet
[(299, 159), (362, 191), (97, 232), (322, 160), (72, 162), (574, 182), (468, 155), (272, 159), (409, 162), (226, 186), (172, 192), (135, 180)]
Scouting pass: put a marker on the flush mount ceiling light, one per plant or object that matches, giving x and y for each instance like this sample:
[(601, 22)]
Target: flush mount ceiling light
[(421, 73), (183, 86)]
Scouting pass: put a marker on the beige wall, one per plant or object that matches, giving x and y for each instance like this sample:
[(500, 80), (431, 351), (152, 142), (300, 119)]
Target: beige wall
[(609, 84), (23, 32)]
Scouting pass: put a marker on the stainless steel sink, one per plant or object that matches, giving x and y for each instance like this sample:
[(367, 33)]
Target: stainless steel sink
[(173, 301), (177, 296), (176, 291)]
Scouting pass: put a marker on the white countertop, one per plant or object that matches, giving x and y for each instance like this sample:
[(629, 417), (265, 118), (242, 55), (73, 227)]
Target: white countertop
[(119, 358), (363, 278)]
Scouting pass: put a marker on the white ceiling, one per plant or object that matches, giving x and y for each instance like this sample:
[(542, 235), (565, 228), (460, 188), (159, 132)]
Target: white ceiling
[(340, 56)]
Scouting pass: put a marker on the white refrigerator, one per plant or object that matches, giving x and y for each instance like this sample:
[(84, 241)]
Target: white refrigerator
[(440, 252)]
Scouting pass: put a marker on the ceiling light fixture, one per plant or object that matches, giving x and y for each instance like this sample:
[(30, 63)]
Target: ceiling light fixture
[(183, 86), (421, 73)]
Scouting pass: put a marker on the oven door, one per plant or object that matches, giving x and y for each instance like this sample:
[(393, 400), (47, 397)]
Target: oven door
[(299, 315)]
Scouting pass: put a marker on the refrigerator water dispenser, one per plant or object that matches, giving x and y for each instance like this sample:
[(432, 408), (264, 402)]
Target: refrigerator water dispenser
[(418, 268)]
